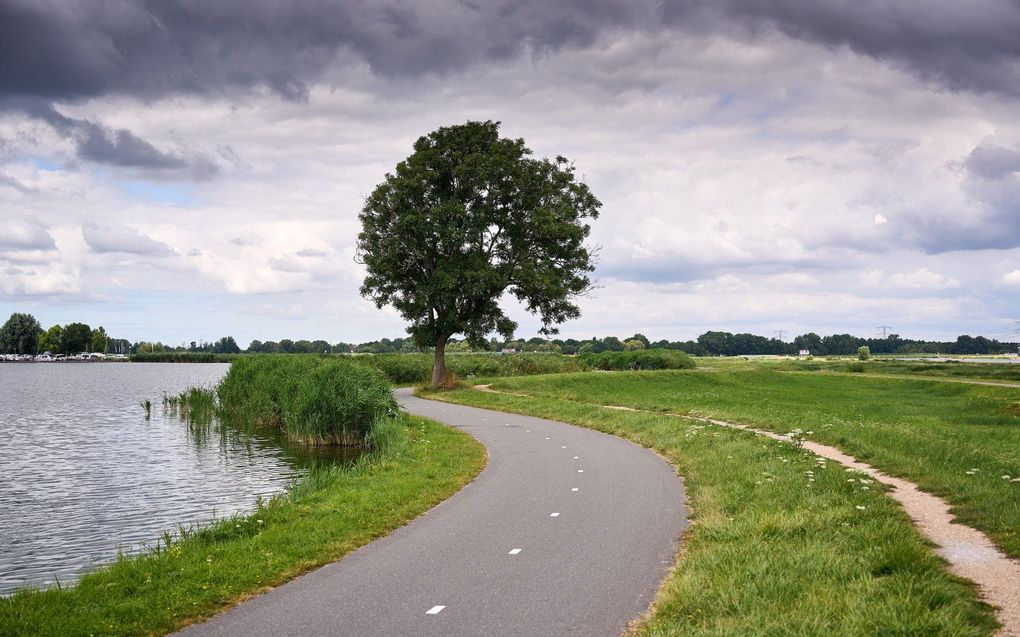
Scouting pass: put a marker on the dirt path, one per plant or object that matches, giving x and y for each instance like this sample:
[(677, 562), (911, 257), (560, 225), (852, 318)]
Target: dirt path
[(970, 553)]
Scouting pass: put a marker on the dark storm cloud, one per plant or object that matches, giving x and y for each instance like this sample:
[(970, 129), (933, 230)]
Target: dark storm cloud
[(67, 50), (115, 147), (147, 49), (961, 45), (993, 162)]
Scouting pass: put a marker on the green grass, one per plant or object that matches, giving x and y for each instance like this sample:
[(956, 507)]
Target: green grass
[(781, 543), (995, 372), (934, 434), (198, 573), (181, 357)]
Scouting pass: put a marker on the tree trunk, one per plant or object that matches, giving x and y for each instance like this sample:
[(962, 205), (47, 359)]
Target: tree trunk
[(439, 364)]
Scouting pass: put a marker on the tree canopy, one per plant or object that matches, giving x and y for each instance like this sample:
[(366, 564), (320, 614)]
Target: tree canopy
[(468, 217), (75, 338), (20, 334)]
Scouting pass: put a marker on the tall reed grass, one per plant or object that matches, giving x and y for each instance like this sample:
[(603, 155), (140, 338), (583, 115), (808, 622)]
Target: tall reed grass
[(314, 400)]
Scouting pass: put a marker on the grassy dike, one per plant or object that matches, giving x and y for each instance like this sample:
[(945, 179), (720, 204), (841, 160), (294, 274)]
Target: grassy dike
[(960, 442), (327, 514), (782, 543)]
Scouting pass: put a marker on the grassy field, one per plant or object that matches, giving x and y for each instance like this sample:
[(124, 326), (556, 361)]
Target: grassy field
[(325, 516), (781, 542), (995, 372), (954, 440)]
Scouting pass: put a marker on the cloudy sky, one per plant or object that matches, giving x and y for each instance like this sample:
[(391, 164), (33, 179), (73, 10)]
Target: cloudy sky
[(182, 170)]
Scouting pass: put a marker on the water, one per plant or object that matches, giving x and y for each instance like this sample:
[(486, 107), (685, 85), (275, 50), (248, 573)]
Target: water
[(84, 474)]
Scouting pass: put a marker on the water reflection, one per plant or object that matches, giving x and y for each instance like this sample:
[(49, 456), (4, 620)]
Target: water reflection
[(87, 471), (207, 428)]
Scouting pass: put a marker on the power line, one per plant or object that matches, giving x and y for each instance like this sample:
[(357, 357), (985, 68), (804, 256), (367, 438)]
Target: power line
[(884, 329), (779, 333)]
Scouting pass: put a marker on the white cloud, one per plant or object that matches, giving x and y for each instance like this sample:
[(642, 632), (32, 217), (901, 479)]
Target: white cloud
[(1011, 278)]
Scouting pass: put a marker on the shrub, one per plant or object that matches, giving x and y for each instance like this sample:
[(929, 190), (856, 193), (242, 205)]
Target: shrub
[(640, 359), (855, 368), (863, 352)]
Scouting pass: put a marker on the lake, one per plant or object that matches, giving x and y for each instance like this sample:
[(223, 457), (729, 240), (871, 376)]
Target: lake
[(84, 473)]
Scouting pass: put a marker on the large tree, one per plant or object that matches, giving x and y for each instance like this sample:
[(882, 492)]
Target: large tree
[(75, 338), (468, 217), (20, 335)]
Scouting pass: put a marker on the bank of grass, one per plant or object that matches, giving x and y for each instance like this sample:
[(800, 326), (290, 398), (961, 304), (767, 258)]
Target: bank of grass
[(413, 368), (950, 370), (181, 357), (958, 441), (781, 543), (195, 574)]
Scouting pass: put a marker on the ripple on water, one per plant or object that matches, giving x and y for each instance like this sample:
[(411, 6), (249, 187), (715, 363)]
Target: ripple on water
[(85, 474)]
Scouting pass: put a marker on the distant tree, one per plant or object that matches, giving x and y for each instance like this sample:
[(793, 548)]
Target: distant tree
[(468, 217), (287, 346), (319, 347), (226, 345), (811, 342), (633, 344), (75, 338), (840, 344), (717, 343), (147, 346), (863, 353), (642, 338), (612, 344), (20, 334), (49, 341), (119, 346), (255, 346), (98, 340)]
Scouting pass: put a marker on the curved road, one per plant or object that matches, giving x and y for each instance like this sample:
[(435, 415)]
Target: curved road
[(567, 531)]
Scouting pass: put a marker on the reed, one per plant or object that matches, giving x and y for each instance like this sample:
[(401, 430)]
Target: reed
[(314, 400)]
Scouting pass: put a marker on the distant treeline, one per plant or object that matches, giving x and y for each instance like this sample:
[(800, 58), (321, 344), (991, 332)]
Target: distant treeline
[(708, 344), (22, 334)]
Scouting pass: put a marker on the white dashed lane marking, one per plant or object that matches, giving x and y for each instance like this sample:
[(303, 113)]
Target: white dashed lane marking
[(574, 489), (435, 610), (554, 515), (580, 470), (515, 551)]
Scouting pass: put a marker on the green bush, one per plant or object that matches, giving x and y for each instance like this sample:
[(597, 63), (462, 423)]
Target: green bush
[(640, 359), (863, 352), (855, 368), (315, 400), (415, 368)]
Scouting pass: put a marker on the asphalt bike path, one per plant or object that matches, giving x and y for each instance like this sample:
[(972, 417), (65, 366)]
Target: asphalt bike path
[(567, 531)]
